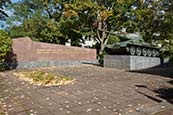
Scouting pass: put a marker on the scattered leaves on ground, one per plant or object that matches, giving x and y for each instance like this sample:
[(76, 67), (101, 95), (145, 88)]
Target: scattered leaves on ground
[(39, 77), (1, 111)]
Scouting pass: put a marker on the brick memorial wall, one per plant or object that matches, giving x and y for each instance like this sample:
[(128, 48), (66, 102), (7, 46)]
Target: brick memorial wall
[(34, 54)]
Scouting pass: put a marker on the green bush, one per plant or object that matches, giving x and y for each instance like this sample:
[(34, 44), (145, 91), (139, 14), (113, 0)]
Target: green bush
[(5, 47)]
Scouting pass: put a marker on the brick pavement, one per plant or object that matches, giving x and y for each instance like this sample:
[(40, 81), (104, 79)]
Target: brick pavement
[(96, 91), (166, 112)]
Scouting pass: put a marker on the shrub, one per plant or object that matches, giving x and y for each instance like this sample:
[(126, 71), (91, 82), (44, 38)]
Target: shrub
[(5, 47)]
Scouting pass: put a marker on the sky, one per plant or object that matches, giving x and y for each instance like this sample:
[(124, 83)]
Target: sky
[(9, 13), (14, 0)]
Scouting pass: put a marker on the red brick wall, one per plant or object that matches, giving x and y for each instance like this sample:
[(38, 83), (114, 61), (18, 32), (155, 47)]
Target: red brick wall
[(27, 50)]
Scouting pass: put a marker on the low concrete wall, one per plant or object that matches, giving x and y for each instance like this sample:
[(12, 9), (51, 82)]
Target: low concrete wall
[(132, 62)]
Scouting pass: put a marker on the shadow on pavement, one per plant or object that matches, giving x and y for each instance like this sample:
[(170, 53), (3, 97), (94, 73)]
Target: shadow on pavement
[(150, 97), (165, 93), (171, 82), (165, 70), (95, 64), (147, 95)]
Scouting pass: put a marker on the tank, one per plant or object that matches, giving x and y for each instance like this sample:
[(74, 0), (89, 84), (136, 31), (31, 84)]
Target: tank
[(131, 44)]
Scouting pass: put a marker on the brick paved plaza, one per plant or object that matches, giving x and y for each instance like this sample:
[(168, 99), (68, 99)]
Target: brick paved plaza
[(96, 91)]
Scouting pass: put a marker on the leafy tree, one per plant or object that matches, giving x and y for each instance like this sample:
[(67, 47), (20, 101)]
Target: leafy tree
[(155, 23), (3, 3), (5, 46), (32, 20), (165, 28), (50, 32), (43, 21), (58, 21), (91, 16), (151, 19), (3, 13), (72, 20)]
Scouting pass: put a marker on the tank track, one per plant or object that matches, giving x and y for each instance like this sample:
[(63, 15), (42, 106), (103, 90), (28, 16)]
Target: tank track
[(134, 50), (142, 51)]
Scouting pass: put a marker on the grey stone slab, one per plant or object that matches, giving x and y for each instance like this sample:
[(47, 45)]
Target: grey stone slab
[(120, 62), (58, 63), (34, 64), (51, 63), (132, 62)]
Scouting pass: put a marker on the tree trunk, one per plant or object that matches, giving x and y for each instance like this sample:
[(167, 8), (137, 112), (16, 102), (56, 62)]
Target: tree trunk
[(101, 49), (102, 38)]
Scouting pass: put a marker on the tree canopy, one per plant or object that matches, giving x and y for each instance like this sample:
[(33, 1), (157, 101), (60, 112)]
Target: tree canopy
[(61, 21), (3, 3)]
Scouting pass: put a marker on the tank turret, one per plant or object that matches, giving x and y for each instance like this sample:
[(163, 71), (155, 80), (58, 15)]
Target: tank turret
[(131, 44)]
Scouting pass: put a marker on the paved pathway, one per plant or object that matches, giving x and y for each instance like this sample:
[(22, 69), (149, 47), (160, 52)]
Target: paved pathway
[(96, 91), (166, 112)]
